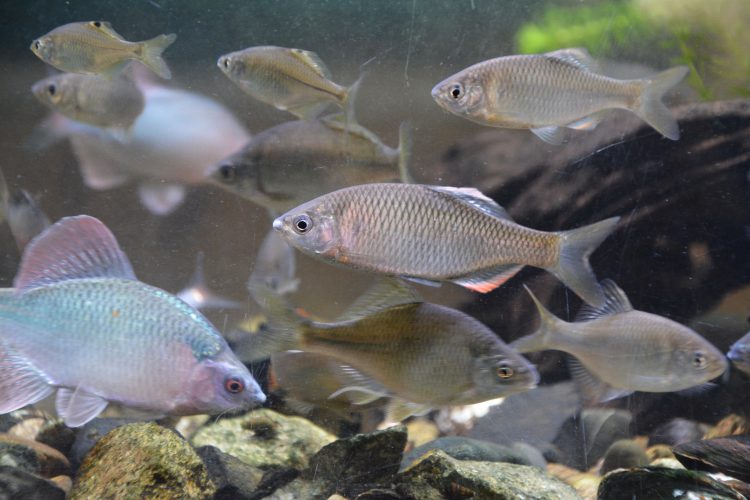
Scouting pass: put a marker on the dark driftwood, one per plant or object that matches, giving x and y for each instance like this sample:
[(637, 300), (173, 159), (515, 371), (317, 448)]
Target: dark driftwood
[(684, 238)]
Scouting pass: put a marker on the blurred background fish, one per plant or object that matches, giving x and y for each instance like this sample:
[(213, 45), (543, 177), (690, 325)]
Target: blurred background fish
[(739, 354), (548, 92), (199, 295), (23, 213), (293, 80), (619, 350), (108, 103), (297, 161), (95, 48)]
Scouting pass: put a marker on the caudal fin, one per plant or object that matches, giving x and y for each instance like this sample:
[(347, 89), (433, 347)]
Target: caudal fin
[(649, 106), (573, 266), (151, 55), (539, 340)]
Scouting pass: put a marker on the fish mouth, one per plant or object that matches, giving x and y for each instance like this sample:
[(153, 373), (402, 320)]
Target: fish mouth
[(278, 223)]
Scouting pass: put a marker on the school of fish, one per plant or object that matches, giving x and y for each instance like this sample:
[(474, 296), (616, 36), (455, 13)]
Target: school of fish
[(78, 323)]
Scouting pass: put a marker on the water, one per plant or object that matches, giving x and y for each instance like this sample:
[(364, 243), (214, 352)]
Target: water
[(680, 250)]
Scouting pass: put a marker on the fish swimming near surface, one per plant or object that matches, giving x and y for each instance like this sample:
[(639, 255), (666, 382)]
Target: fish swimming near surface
[(435, 233), (23, 213), (739, 354), (110, 103), (288, 79), (547, 93), (424, 354), (175, 141), (79, 322), (95, 48), (618, 350), (297, 161)]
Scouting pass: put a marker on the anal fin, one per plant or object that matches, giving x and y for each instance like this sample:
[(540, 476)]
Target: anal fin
[(400, 409), (77, 406), (488, 280), (551, 135), (592, 389)]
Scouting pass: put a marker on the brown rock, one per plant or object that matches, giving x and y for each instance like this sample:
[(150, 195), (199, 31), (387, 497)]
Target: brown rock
[(731, 425), (51, 462)]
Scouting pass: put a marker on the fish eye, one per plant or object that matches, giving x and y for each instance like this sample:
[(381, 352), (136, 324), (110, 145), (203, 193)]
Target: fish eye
[(51, 89), (699, 360), (97, 24), (302, 224), (227, 173), (37, 44), (234, 385), (226, 62), (504, 371), (457, 91)]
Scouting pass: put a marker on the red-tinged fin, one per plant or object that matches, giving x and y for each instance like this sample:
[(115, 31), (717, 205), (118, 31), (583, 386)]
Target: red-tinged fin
[(74, 248), (21, 383), (77, 407), (488, 280)]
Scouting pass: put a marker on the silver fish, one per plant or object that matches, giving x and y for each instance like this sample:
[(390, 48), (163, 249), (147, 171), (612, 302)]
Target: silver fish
[(437, 233), (79, 322), (95, 48), (548, 92), (297, 161), (293, 80), (739, 354), (197, 293), (114, 103), (619, 350), (25, 218)]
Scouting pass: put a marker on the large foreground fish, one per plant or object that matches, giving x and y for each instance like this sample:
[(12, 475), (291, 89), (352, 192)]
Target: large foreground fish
[(437, 233), (95, 48), (79, 322), (548, 92), (425, 355), (619, 350)]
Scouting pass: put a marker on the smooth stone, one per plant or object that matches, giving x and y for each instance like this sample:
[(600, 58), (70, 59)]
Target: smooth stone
[(585, 483), (51, 462), (462, 448), (659, 451), (16, 483), (727, 455), (28, 428), (669, 463), (731, 425), (585, 437), (232, 477), (142, 460), (265, 439), (676, 431), (90, 434), (351, 466), (624, 454), (437, 476), (657, 482), (421, 431), (188, 426), (20, 457), (65, 483), (57, 435)]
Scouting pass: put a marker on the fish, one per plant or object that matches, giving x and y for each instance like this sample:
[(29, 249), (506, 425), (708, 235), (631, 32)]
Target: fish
[(80, 323), (435, 234), (294, 162), (173, 143), (197, 293), (426, 355), (618, 350), (547, 93), (23, 213), (739, 354), (288, 79), (95, 48), (275, 266), (110, 103)]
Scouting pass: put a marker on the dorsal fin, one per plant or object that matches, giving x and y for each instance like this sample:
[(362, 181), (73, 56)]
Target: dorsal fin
[(313, 61), (476, 199), (339, 123), (74, 248), (578, 57), (615, 302), (384, 293)]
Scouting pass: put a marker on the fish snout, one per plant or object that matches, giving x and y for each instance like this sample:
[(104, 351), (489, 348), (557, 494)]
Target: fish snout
[(278, 224)]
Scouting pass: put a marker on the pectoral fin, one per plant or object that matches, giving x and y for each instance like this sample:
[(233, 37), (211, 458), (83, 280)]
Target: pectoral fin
[(77, 407)]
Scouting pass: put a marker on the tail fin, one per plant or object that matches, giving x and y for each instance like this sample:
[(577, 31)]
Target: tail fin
[(151, 55), (405, 144), (573, 266), (649, 106), (350, 98), (539, 340)]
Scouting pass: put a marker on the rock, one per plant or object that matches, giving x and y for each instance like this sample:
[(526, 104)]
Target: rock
[(51, 462), (142, 460), (727, 455), (676, 431), (669, 463), (462, 448), (532, 455), (421, 431), (585, 437), (65, 483), (232, 477), (19, 456), (265, 439), (438, 476), (731, 425), (584, 483), (659, 451), (28, 428), (57, 435), (654, 482), (90, 434), (16, 483), (188, 426), (353, 465), (624, 454)]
